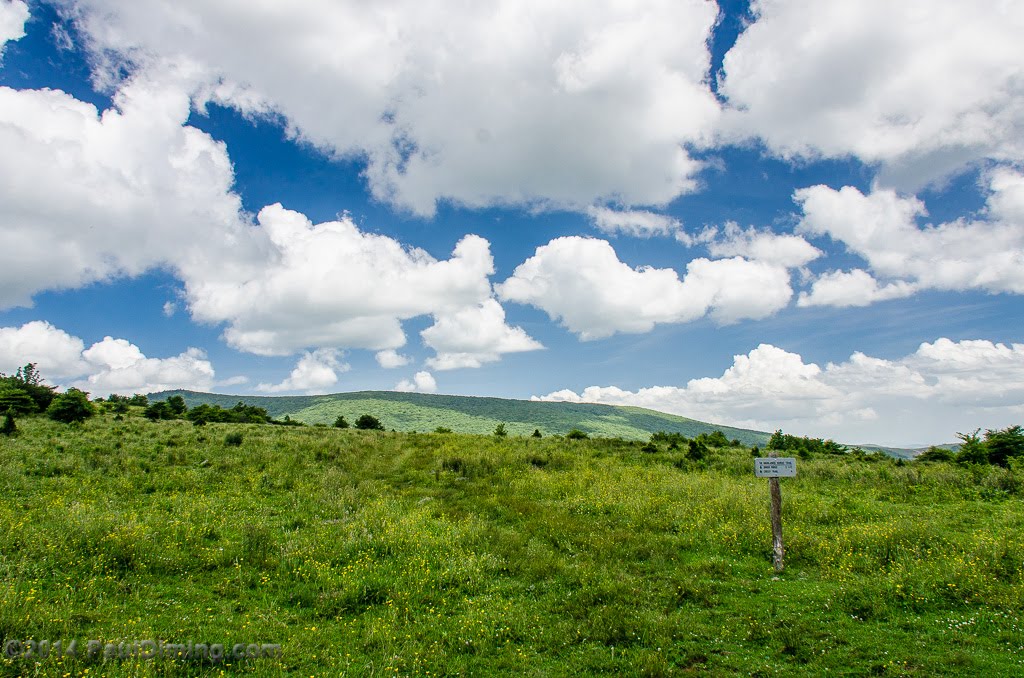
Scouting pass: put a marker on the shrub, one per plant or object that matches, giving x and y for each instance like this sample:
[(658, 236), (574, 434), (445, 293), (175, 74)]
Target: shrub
[(367, 422), (442, 429), (935, 454), (71, 406), (500, 431), (233, 439), (697, 450), (536, 433), (340, 422), (157, 411), (9, 428), (576, 434)]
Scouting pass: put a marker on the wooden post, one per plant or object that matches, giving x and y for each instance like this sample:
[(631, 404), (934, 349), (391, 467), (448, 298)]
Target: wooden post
[(778, 551), (772, 468)]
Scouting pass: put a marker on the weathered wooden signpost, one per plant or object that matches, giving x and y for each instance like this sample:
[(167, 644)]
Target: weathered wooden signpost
[(774, 468)]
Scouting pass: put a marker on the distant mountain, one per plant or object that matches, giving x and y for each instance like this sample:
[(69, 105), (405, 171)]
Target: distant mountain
[(467, 414)]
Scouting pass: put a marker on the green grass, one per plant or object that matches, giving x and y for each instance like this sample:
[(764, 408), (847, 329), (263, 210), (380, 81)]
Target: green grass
[(464, 414), (369, 553)]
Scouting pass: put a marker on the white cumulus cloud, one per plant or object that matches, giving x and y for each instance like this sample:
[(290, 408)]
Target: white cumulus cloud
[(88, 196), (925, 87), (582, 283), (473, 336), (783, 249), (422, 382), (882, 227), (852, 288), (13, 15), (315, 372), (108, 366), (390, 359), (56, 353), (518, 101), (638, 223), (923, 398), (331, 285)]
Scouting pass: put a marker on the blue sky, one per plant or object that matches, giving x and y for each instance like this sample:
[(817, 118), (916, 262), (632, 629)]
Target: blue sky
[(784, 214)]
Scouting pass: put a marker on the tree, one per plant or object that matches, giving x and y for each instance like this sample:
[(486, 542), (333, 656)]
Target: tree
[(28, 380), (340, 422), (536, 433), (16, 399), (972, 449), (138, 400), (500, 431), (1002, 445), (177, 405), (576, 434), (71, 406), (367, 422)]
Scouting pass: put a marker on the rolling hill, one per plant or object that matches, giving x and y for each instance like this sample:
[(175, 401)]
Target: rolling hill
[(468, 414)]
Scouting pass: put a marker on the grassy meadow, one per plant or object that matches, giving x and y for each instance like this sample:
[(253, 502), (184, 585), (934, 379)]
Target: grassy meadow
[(392, 554)]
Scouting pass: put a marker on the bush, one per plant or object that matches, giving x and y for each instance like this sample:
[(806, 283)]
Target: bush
[(367, 422), (576, 434), (158, 410), (442, 429), (536, 433), (233, 439), (9, 428), (71, 406), (500, 431), (697, 450), (340, 422)]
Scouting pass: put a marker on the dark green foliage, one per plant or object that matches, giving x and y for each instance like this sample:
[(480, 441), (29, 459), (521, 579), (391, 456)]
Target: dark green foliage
[(71, 406), (536, 433), (287, 421), (649, 448), (500, 431), (935, 454), (239, 414), (9, 428), (368, 422), (972, 449), (1004, 445), (697, 450), (16, 400), (138, 400), (714, 439), (442, 429), (576, 434), (28, 380), (340, 422), (157, 411), (670, 439), (233, 439), (119, 406), (177, 405), (803, 446)]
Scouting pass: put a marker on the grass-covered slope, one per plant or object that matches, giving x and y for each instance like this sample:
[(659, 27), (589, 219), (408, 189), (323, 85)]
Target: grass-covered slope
[(376, 554), (464, 414)]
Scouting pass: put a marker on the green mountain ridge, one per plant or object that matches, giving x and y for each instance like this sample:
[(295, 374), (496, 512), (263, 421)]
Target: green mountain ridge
[(473, 414)]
